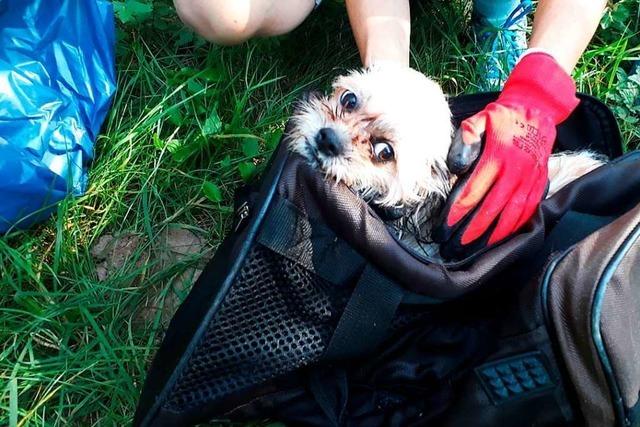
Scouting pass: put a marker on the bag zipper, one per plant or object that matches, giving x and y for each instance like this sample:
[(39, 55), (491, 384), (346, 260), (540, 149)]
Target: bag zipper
[(241, 214), (620, 411), (546, 278)]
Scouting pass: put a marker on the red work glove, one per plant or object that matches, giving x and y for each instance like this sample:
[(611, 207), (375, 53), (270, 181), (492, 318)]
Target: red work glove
[(519, 128)]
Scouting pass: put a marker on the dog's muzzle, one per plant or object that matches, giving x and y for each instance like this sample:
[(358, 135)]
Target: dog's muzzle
[(328, 142)]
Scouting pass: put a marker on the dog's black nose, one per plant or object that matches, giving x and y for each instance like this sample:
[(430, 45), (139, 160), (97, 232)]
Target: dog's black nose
[(457, 165), (328, 142)]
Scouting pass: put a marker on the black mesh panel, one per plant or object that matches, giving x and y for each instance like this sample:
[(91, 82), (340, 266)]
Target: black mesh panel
[(276, 318)]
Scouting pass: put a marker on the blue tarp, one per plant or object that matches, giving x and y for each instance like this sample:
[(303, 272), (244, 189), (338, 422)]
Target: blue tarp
[(57, 78)]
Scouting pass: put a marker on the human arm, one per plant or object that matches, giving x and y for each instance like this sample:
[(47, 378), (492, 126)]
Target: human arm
[(381, 29), (563, 28)]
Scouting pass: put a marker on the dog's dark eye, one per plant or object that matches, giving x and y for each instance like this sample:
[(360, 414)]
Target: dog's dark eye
[(348, 100), (383, 151)]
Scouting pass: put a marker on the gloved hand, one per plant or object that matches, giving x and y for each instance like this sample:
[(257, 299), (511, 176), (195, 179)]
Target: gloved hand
[(510, 177)]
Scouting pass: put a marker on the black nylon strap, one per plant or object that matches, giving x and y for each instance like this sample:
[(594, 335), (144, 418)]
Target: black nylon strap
[(310, 243), (366, 318)]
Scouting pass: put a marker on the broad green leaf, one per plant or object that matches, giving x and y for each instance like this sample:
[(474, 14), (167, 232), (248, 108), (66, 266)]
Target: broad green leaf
[(211, 191), (246, 169), (132, 10), (157, 142), (212, 74), (226, 162), (250, 147), (213, 124), (194, 86), (174, 145), (175, 117), (185, 151), (181, 76), (185, 36), (273, 139)]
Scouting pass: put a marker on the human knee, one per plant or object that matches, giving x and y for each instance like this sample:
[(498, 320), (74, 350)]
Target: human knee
[(222, 22)]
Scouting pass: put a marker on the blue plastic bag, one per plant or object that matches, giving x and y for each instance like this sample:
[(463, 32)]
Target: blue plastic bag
[(57, 78)]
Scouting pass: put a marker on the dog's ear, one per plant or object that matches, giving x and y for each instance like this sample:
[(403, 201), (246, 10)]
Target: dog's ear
[(306, 97), (310, 94)]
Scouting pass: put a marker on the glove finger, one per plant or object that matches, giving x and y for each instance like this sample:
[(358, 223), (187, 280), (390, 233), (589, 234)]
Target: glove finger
[(449, 238), (512, 212), (493, 204), (533, 201), (442, 232), (474, 190)]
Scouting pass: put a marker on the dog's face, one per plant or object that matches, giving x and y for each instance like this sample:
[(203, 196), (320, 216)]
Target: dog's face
[(384, 132)]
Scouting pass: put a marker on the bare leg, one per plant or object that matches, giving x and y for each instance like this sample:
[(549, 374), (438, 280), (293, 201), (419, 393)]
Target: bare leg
[(230, 22)]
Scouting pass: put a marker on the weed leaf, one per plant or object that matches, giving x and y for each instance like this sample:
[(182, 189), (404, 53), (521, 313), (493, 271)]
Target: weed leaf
[(213, 124), (247, 170), (250, 147), (157, 142), (226, 162), (273, 139), (194, 86), (175, 117), (184, 151), (132, 10), (212, 75), (185, 37), (212, 191)]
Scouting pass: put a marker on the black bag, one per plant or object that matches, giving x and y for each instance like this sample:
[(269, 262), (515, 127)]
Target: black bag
[(313, 313)]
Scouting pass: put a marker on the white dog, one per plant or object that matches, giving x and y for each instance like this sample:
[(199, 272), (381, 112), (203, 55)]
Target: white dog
[(385, 132)]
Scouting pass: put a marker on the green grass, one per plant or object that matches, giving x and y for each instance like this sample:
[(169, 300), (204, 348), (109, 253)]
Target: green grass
[(190, 123)]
